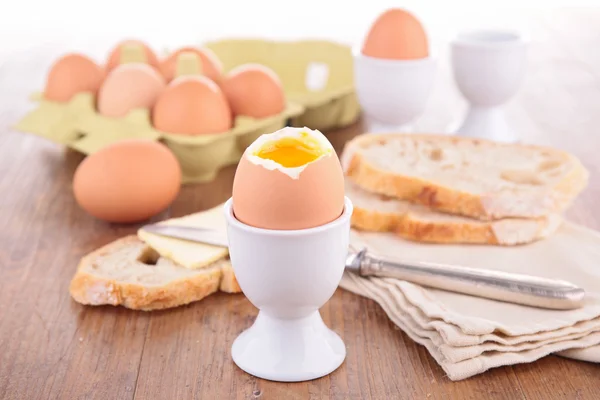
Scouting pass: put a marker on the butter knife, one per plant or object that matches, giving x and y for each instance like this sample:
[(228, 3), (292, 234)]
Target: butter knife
[(502, 286)]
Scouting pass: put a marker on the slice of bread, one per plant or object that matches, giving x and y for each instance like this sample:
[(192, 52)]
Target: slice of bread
[(471, 177), (128, 272), (378, 213)]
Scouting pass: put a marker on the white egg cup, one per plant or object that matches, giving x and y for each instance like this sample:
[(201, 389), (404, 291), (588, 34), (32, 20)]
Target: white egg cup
[(392, 93), (288, 276), (488, 68)]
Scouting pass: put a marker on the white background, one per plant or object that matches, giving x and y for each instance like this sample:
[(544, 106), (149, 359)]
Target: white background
[(80, 25)]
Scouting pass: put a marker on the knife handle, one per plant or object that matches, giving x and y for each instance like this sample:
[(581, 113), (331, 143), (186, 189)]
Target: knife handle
[(496, 285)]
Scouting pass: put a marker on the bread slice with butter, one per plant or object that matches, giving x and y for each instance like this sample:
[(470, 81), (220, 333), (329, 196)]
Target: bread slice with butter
[(378, 213), (151, 272), (470, 177), (185, 253), (129, 273)]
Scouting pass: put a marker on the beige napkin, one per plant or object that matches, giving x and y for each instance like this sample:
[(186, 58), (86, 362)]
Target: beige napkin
[(468, 335)]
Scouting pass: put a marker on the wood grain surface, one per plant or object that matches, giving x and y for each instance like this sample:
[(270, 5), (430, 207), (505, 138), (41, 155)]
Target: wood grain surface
[(54, 348)]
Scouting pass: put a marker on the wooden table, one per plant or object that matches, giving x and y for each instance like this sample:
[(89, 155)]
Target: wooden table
[(54, 348)]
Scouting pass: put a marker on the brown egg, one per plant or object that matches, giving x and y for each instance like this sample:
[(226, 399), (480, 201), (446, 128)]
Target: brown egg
[(127, 87), (192, 105), (114, 58), (211, 66), (397, 35), (72, 74), (290, 179), (128, 181), (254, 91)]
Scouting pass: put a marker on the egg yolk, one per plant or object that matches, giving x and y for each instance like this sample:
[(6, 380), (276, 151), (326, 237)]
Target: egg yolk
[(291, 152)]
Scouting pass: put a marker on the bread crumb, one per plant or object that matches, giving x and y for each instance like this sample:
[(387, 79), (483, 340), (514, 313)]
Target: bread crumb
[(436, 154)]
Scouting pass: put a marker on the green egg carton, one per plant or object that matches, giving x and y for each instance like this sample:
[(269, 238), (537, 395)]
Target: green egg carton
[(76, 124), (317, 74)]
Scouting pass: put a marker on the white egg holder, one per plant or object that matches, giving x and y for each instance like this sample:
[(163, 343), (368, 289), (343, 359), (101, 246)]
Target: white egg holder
[(288, 275), (488, 66), (392, 93)]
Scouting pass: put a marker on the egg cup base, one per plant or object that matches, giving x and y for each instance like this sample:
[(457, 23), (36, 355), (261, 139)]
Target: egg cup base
[(288, 350), (289, 275)]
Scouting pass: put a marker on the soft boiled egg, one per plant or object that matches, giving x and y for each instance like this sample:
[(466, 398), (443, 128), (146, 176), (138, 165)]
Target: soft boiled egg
[(396, 35), (290, 179)]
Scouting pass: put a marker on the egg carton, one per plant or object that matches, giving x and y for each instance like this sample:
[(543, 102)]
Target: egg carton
[(76, 124), (317, 74)]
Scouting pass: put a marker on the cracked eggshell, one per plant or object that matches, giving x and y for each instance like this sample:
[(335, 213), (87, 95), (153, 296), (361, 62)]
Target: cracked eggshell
[(269, 196)]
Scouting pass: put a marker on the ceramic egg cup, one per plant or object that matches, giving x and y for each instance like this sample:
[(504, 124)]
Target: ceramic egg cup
[(288, 276), (79, 126), (392, 93), (488, 68)]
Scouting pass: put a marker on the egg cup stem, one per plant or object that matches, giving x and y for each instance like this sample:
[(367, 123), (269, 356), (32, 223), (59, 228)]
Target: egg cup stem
[(490, 121), (288, 275)]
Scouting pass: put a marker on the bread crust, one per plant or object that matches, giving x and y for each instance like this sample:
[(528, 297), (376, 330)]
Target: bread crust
[(93, 289), (505, 232), (449, 200)]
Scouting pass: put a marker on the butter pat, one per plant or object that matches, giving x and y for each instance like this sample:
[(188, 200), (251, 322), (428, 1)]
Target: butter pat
[(185, 253)]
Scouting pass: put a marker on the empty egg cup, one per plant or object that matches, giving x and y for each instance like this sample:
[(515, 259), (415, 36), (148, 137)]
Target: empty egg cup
[(288, 275), (488, 68), (392, 93)]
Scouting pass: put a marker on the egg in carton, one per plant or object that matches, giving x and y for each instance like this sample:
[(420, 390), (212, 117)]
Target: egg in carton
[(317, 74), (87, 107)]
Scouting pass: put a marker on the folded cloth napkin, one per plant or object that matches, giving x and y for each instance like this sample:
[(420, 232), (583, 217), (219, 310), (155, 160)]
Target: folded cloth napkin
[(468, 335)]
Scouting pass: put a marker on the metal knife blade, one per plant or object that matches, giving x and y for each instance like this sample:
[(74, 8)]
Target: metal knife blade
[(497, 285), (199, 235)]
